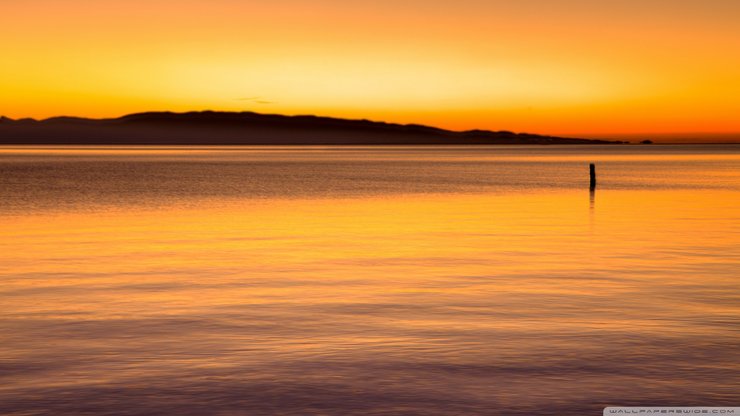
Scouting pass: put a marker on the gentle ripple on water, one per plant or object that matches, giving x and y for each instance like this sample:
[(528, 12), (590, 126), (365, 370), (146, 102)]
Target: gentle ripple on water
[(373, 281)]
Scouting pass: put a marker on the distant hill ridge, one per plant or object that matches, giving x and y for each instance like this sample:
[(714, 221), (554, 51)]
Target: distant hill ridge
[(249, 128)]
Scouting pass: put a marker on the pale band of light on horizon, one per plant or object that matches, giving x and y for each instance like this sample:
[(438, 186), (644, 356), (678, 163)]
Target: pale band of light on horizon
[(567, 67)]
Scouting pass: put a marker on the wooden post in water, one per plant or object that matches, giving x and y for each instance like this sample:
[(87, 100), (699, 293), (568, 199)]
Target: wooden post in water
[(592, 168)]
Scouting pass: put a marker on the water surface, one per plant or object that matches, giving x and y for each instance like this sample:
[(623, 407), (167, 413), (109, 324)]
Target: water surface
[(367, 281)]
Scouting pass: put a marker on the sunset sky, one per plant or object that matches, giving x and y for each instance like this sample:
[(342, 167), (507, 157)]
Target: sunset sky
[(568, 67)]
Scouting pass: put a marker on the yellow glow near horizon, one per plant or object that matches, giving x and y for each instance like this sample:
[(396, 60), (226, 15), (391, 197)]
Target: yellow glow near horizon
[(565, 67)]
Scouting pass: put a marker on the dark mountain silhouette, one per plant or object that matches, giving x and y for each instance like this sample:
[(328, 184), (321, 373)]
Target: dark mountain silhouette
[(247, 128)]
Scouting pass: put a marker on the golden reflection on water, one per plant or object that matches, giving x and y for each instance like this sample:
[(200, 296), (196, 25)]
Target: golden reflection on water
[(553, 302)]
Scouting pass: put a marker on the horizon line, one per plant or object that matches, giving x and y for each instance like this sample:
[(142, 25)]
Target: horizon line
[(684, 137)]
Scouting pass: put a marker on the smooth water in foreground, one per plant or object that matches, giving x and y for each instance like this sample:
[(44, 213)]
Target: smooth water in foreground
[(367, 281)]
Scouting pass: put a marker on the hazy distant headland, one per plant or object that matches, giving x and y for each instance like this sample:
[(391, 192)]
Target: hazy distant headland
[(248, 128)]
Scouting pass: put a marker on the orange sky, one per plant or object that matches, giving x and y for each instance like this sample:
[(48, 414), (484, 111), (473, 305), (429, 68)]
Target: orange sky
[(578, 67)]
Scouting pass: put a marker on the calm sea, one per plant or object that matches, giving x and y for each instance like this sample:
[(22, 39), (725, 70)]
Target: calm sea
[(367, 281)]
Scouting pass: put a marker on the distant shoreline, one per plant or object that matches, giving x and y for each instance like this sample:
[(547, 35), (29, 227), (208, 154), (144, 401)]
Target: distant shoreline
[(211, 128), (204, 145)]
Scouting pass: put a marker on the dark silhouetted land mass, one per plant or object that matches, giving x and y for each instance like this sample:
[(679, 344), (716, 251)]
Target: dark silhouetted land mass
[(247, 128)]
